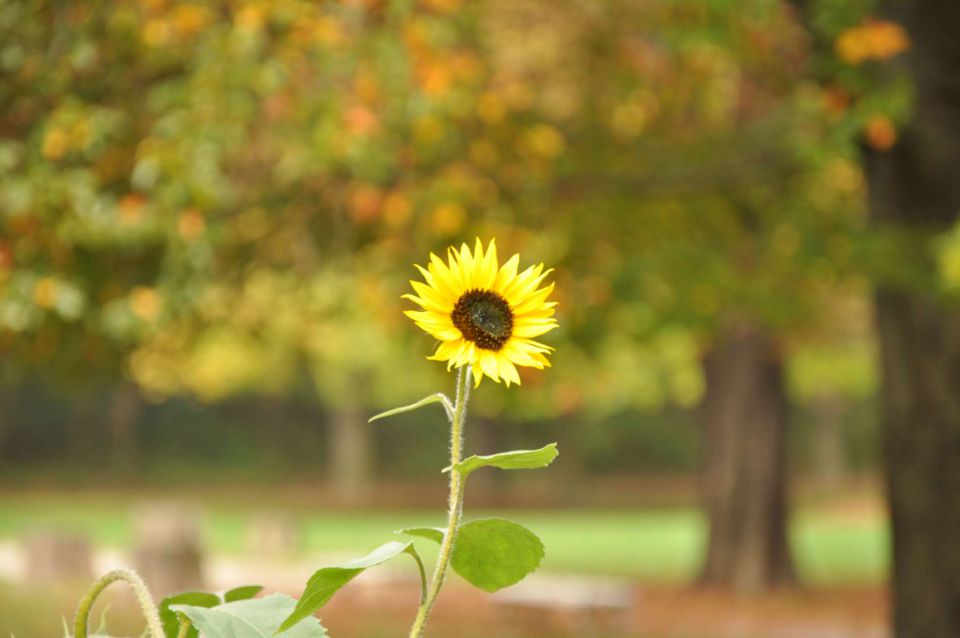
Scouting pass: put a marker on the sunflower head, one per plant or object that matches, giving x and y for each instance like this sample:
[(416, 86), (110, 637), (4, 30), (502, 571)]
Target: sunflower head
[(485, 315)]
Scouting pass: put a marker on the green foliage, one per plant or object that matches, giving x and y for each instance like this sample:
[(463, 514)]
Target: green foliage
[(490, 553), (256, 618), (168, 616), (327, 581), (845, 369), (246, 207), (515, 460)]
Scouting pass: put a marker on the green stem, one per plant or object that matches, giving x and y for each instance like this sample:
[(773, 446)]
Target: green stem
[(456, 502), (184, 626), (147, 606)]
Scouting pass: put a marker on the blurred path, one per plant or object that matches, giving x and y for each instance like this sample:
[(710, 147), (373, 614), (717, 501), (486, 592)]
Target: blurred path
[(380, 601)]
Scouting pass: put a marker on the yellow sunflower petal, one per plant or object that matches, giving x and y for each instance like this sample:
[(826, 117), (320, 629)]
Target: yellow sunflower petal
[(417, 300), (506, 274), (514, 291), (533, 300), (466, 265), (467, 355), (441, 302), (445, 281), (488, 363), (508, 371), (520, 355), (477, 375), (448, 351), (488, 266), (426, 274), (533, 329), (527, 286), (456, 273)]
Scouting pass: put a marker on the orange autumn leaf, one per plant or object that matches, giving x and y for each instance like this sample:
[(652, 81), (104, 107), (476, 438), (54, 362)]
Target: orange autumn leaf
[(880, 132), (190, 224), (145, 303), (366, 202), (872, 40), (130, 208), (45, 292)]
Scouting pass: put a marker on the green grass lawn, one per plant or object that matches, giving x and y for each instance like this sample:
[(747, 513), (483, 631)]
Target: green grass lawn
[(653, 545)]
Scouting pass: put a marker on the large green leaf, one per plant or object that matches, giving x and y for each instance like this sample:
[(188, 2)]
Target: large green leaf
[(515, 460), (253, 618), (168, 617), (327, 581), (491, 553)]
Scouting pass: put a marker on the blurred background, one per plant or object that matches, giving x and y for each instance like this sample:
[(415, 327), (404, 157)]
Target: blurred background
[(209, 211)]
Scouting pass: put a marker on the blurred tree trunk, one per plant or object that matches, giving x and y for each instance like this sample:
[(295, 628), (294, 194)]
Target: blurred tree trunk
[(8, 398), (82, 432), (351, 454), (744, 464), (830, 463), (915, 187), (126, 410)]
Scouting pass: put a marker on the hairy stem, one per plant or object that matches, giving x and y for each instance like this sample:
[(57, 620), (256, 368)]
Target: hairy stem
[(147, 606), (456, 502)]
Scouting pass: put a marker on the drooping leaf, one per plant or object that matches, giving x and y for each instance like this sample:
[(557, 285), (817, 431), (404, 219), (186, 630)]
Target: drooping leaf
[(439, 397), (327, 581), (433, 533), (252, 618), (515, 460), (490, 553), (168, 617), (241, 593)]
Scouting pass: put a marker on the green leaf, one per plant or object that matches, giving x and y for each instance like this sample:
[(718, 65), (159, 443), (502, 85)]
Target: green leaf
[(433, 533), (491, 553), (242, 593), (439, 397), (515, 460), (171, 624), (168, 617), (253, 618), (327, 581)]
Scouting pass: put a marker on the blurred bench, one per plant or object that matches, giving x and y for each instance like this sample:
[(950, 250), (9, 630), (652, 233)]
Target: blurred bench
[(55, 555), (168, 550), (575, 605)]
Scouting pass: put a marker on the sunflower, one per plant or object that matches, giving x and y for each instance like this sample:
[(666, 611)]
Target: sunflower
[(484, 314)]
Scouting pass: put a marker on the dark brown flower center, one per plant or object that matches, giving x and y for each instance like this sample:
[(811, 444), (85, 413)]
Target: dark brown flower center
[(483, 317)]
